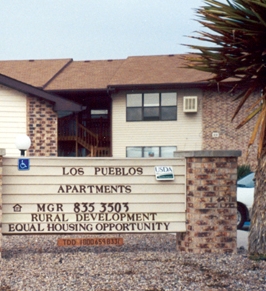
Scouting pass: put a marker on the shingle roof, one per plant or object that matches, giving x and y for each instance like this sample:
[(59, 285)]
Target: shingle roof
[(164, 69), (33, 72), (66, 74), (80, 75)]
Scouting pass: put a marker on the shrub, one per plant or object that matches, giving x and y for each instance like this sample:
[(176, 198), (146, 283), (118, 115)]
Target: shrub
[(242, 171)]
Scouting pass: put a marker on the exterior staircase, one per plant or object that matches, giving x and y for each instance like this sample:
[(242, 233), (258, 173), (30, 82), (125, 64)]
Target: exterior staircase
[(69, 129)]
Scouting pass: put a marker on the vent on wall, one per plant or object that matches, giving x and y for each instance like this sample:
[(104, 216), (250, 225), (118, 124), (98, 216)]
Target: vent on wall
[(190, 104)]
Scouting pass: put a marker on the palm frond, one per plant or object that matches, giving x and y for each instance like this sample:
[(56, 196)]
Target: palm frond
[(242, 102), (237, 34), (249, 117), (262, 131)]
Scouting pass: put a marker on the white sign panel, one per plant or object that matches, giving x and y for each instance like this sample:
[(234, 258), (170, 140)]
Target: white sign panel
[(60, 195)]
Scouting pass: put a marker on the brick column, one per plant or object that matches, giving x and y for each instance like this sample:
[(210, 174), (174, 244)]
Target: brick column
[(42, 128), (2, 153), (211, 202)]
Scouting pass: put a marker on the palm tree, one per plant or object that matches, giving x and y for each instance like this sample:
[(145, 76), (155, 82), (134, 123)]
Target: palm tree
[(237, 33)]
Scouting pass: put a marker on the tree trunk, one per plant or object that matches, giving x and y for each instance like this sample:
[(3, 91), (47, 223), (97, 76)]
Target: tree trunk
[(257, 235)]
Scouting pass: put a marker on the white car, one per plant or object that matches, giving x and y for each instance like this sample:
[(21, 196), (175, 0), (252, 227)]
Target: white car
[(245, 198)]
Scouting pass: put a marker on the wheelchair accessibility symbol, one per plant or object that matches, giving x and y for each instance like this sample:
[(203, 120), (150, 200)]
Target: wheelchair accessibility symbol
[(23, 164)]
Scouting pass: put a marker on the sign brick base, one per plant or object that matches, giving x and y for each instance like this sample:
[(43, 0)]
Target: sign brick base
[(211, 202)]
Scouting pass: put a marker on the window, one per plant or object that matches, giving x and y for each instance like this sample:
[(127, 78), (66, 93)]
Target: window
[(98, 113), (150, 152), (151, 106)]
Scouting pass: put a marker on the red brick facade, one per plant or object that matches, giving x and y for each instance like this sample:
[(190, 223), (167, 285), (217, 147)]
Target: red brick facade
[(211, 202), (218, 109), (42, 127)]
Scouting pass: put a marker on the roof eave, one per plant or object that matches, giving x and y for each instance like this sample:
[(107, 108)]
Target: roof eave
[(156, 86), (59, 102), (78, 90)]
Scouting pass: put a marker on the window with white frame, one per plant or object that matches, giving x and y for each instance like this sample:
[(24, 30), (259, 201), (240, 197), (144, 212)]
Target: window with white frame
[(150, 152), (151, 106)]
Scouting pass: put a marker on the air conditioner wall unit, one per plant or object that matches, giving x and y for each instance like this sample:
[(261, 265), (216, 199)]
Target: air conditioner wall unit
[(190, 104)]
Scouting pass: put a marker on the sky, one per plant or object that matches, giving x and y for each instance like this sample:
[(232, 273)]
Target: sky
[(95, 29)]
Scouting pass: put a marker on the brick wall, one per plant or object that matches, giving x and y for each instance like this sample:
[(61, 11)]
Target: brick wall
[(211, 202), (219, 107), (42, 127)]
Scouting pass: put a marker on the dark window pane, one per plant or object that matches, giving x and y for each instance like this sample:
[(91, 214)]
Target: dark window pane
[(168, 113), (134, 114), (151, 113)]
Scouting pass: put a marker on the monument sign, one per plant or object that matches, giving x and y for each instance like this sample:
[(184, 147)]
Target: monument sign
[(90, 195)]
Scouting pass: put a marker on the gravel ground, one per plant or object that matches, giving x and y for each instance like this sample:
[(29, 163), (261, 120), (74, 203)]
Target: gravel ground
[(144, 262)]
